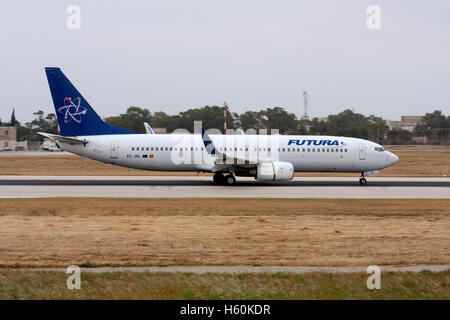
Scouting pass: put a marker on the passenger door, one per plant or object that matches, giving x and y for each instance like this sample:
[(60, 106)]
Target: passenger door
[(362, 151), (114, 152)]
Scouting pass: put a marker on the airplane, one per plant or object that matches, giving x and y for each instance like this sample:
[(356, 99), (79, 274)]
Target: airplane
[(264, 157)]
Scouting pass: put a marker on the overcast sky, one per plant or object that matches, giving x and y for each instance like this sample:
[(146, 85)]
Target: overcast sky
[(173, 55)]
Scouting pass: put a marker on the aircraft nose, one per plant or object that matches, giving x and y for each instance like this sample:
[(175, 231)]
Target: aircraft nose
[(393, 158)]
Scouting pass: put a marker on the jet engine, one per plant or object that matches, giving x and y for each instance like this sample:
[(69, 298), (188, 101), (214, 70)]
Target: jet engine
[(268, 171)]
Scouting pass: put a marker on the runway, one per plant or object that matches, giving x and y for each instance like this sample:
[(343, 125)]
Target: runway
[(203, 187)]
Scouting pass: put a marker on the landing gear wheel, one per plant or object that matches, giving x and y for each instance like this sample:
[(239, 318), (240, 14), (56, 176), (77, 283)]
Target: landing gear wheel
[(362, 181), (230, 180), (218, 178)]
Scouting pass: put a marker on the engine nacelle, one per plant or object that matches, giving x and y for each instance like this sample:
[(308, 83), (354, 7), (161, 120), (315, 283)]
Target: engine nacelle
[(274, 171)]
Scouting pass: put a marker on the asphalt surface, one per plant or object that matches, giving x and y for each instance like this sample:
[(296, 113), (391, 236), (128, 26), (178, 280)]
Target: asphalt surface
[(193, 181), (202, 187)]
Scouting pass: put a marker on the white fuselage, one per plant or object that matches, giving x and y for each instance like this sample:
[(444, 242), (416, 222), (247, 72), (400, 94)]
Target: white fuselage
[(186, 152)]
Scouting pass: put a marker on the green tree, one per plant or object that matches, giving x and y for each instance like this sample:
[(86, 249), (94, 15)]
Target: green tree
[(45, 123), (162, 120), (41, 123), (317, 127), (211, 117), (434, 120), (435, 126), (13, 121), (249, 120), (133, 119), (377, 128), (399, 137), (270, 118), (349, 124), (278, 118)]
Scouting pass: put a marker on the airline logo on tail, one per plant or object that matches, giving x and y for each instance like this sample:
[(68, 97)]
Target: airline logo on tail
[(72, 110)]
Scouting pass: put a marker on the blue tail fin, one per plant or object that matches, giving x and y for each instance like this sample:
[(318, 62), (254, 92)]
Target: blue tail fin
[(75, 116)]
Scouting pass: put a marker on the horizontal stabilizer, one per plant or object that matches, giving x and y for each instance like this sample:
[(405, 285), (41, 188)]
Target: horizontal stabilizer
[(62, 139)]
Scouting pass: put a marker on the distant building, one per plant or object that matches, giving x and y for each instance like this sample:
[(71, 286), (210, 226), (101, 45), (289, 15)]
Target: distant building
[(407, 123), (160, 130), (8, 139)]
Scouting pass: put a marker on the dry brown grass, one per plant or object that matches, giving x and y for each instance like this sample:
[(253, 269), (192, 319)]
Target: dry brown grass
[(127, 285), (316, 232), (421, 161)]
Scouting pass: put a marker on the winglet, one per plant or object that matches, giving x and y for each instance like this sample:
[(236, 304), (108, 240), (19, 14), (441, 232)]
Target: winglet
[(148, 129), (209, 145)]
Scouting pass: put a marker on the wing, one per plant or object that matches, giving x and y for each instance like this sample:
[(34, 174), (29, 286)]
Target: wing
[(223, 160)]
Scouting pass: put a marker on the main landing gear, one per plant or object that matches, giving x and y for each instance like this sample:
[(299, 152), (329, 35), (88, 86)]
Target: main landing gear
[(219, 178), (362, 180)]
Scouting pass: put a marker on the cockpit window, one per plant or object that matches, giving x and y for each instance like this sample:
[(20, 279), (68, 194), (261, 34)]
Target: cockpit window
[(379, 149)]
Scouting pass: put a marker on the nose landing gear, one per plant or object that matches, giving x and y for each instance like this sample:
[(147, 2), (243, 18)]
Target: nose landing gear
[(362, 180)]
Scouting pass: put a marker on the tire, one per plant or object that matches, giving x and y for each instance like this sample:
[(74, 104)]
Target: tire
[(218, 178), (230, 180), (362, 181)]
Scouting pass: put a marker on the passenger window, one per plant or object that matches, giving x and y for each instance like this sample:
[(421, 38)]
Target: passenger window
[(132, 148), (268, 149), (345, 150), (313, 149)]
